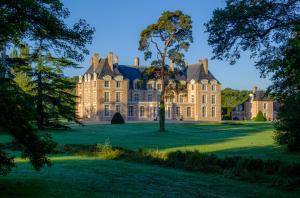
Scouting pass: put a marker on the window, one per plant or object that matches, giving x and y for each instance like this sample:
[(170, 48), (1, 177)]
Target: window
[(106, 110), (95, 83), (265, 106), (213, 99), (158, 86), (158, 98), (203, 111), (188, 112), (136, 97), (169, 112), (213, 87), (118, 96), (192, 87), (135, 85), (265, 115), (118, 84), (213, 111), (130, 110), (204, 99), (118, 108), (149, 86), (95, 97), (142, 111), (181, 98), (106, 83), (204, 87), (150, 98), (154, 112), (177, 111), (192, 98), (106, 96)]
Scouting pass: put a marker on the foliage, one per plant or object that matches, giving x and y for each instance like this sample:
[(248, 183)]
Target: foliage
[(288, 126), (270, 31), (231, 98), (117, 119), (35, 21), (260, 117), (171, 34)]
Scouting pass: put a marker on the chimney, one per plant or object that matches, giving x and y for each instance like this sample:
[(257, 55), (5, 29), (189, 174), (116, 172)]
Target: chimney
[(172, 65), (136, 61), (204, 63), (110, 60), (116, 60), (95, 61), (254, 89)]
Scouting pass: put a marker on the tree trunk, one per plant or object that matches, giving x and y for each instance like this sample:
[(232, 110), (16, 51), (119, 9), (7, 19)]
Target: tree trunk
[(162, 99), (39, 102)]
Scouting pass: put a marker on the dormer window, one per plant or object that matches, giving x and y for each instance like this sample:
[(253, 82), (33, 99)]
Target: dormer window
[(204, 87), (149, 86), (118, 84), (213, 87), (158, 86), (106, 83)]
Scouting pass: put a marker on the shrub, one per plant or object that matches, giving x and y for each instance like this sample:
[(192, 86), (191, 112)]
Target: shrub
[(117, 119), (260, 117)]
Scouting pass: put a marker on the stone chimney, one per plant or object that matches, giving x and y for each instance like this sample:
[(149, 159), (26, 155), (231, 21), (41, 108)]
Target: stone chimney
[(116, 60), (136, 61), (110, 60), (254, 89), (95, 61), (172, 65), (204, 63)]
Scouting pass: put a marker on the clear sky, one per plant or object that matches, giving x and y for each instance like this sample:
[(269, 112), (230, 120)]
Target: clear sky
[(118, 25)]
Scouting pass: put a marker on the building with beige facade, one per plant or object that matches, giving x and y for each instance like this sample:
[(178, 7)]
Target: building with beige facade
[(257, 101), (108, 87)]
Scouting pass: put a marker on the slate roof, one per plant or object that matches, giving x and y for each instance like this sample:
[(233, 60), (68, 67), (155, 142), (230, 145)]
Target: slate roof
[(196, 72), (103, 69), (261, 96)]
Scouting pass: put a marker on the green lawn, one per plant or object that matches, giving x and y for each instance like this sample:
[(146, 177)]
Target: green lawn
[(79, 176)]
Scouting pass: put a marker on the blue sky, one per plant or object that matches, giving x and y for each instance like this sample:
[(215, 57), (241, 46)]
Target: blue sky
[(118, 25)]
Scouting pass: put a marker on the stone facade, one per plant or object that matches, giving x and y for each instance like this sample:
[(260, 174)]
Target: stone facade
[(257, 101), (108, 87)]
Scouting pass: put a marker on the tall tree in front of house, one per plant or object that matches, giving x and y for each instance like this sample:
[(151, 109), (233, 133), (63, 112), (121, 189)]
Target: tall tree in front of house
[(268, 30), (167, 38)]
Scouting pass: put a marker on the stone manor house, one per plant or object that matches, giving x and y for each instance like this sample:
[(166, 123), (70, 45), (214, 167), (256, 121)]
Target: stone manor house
[(108, 87)]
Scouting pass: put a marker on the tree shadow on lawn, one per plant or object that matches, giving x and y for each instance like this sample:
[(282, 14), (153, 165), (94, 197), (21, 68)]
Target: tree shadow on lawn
[(145, 135)]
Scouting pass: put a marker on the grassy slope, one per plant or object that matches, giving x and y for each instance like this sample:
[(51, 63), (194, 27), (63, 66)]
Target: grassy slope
[(88, 177)]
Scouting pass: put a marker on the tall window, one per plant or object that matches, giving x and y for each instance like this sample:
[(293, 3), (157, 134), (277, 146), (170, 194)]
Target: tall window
[(204, 99), (265, 106), (106, 83), (118, 84), (181, 98), (106, 96), (118, 108), (213, 87), (204, 87), (203, 111), (136, 97), (154, 112), (188, 112), (118, 96), (130, 110), (213, 99), (192, 98), (142, 111), (95, 83), (150, 98), (106, 110), (213, 111), (158, 98), (192, 87), (169, 112), (177, 111)]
